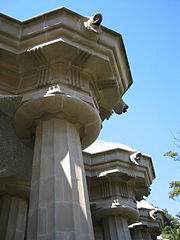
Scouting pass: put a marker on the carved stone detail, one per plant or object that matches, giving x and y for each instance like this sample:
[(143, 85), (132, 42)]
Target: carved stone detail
[(120, 107), (38, 56), (72, 108), (53, 90), (81, 59), (135, 158), (153, 213), (123, 190), (149, 224), (115, 203), (93, 23), (44, 77), (105, 189), (108, 83), (43, 66), (105, 113), (75, 78)]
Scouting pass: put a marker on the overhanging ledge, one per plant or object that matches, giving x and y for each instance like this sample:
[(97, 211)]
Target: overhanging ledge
[(38, 51)]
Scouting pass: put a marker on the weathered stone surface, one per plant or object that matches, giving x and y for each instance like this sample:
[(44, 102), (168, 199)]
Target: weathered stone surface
[(93, 60), (61, 75), (15, 157), (59, 205), (150, 222), (115, 228), (13, 212), (117, 176), (105, 160), (75, 109)]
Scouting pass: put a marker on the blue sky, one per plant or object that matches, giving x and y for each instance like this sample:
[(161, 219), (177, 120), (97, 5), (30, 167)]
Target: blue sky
[(151, 35)]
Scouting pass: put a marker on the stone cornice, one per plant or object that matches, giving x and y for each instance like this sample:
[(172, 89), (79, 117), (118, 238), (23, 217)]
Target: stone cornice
[(118, 162), (150, 218), (30, 59)]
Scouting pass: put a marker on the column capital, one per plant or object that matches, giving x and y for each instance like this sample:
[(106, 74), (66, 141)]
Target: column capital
[(150, 220), (15, 186), (58, 104), (115, 208)]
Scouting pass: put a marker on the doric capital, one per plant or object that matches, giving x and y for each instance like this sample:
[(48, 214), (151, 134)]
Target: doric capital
[(114, 207), (57, 104), (117, 161), (150, 219)]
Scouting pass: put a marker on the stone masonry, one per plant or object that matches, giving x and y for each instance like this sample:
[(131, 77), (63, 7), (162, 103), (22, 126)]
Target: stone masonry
[(61, 76)]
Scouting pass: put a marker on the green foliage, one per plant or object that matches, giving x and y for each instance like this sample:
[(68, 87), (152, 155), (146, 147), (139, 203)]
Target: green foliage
[(171, 229), (175, 193), (174, 155), (178, 216), (174, 234), (175, 185)]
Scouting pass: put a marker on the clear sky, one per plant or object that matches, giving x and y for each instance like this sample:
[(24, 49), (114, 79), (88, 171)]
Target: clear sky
[(151, 34)]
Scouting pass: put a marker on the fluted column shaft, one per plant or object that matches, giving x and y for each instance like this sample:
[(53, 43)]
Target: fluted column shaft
[(13, 212), (115, 228), (59, 205), (140, 234)]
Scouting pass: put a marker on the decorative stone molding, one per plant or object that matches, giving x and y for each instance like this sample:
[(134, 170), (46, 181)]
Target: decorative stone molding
[(62, 105), (94, 22), (104, 113), (120, 107), (111, 160), (92, 26), (114, 184), (153, 213), (149, 224), (81, 59), (43, 67), (82, 63), (135, 158), (71, 73), (114, 207), (108, 83)]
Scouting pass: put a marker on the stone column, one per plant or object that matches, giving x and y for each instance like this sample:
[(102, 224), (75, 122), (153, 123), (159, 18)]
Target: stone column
[(114, 219), (59, 206), (115, 228), (140, 233), (113, 207), (149, 224), (13, 210)]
